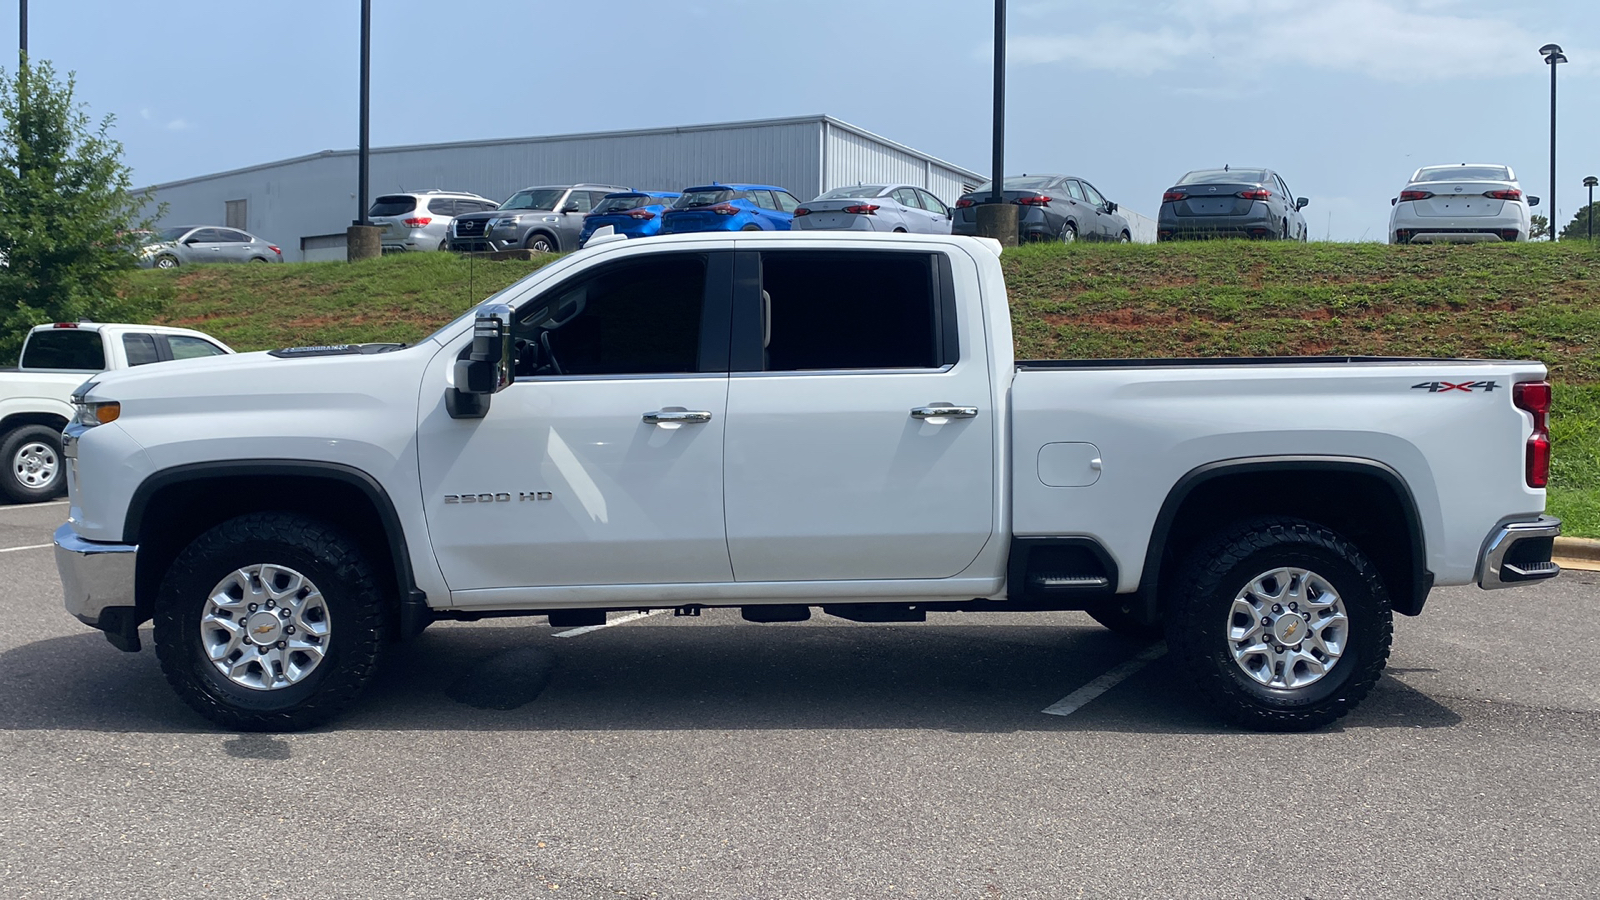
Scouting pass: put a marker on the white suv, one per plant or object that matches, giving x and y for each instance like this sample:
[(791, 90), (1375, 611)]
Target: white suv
[(420, 220), (1468, 203)]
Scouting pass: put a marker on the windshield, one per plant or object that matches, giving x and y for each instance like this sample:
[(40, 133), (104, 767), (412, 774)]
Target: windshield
[(623, 204), (1225, 176), (172, 234), (1020, 183), (851, 193), (1464, 173), (692, 199), (537, 198)]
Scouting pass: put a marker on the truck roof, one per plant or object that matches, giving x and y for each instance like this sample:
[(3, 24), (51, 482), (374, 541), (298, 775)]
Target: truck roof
[(120, 326)]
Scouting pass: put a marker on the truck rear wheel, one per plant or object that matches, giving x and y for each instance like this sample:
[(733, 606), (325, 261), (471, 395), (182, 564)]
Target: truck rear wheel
[(269, 622), (1280, 624), (33, 459)]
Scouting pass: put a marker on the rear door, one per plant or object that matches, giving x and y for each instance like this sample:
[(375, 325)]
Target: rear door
[(838, 465)]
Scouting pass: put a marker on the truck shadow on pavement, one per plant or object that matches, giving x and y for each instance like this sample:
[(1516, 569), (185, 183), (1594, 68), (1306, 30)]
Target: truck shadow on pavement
[(954, 678)]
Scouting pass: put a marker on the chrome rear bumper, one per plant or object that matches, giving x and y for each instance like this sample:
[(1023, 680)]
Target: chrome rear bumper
[(1519, 553)]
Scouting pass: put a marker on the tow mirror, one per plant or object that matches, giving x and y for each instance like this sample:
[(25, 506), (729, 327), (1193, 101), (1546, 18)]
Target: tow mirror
[(1302, 203), (486, 369)]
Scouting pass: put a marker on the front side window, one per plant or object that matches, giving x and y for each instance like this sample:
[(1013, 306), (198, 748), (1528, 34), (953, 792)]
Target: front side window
[(786, 201), (638, 317), (849, 310), (140, 348), (64, 348), (580, 199), (1092, 194), (206, 236), (932, 203), (185, 347)]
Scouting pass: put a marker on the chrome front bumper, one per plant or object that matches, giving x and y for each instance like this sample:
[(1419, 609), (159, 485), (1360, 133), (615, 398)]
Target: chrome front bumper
[(1519, 553), (95, 577)]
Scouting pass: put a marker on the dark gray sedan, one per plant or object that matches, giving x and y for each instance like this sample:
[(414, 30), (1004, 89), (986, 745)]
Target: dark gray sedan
[(1229, 202), (1062, 208), (190, 244)]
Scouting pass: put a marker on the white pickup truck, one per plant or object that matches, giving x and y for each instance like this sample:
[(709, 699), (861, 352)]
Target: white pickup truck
[(777, 422), (36, 396)]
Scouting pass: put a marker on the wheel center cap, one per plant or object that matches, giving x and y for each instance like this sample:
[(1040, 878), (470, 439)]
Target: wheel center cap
[(1290, 629), (263, 628)]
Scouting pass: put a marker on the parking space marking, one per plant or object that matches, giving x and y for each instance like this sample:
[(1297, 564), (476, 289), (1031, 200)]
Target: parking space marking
[(29, 547), (620, 620), (1081, 697)]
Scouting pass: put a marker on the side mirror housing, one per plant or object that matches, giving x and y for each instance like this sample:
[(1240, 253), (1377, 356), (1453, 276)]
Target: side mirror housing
[(1533, 201), (189, 242), (1110, 207), (570, 208), (486, 370), (1304, 202)]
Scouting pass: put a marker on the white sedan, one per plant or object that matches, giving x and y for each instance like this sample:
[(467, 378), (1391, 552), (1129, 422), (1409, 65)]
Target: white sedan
[(875, 207), (1468, 203)]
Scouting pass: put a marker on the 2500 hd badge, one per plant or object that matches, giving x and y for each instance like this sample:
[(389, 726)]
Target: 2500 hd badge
[(501, 497)]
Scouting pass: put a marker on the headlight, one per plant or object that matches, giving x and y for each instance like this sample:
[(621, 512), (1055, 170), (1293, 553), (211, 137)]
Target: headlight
[(90, 413)]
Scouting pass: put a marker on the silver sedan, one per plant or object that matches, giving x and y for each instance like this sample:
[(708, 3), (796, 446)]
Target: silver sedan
[(875, 207), (189, 244)]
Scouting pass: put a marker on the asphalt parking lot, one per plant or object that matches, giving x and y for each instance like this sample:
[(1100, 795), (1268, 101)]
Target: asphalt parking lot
[(709, 758)]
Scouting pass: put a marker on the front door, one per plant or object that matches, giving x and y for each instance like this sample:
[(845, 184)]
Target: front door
[(601, 464), (839, 464)]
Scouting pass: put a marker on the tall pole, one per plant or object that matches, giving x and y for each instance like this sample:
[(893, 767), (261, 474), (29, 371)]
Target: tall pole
[(366, 102), (22, 31), (1552, 207), (1590, 182), (998, 168)]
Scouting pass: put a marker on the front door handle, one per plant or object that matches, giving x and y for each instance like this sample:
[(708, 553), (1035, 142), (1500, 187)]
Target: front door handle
[(944, 412), (674, 417)]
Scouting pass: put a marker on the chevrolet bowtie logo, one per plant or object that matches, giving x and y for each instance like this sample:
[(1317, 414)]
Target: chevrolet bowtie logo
[(263, 629), (1293, 627)]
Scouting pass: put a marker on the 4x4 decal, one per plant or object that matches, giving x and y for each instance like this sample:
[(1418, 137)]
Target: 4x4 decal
[(1439, 387)]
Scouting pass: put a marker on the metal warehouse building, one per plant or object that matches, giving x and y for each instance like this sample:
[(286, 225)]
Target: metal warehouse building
[(304, 204)]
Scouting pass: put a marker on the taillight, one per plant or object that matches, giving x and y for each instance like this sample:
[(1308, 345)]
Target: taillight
[(1511, 194), (1257, 194), (1509, 234), (1036, 200), (1415, 195), (274, 249), (1173, 196), (641, 214), (863, 209), (802, 211), (1534, 398), (963, 203), (724, 209), (418, 222)]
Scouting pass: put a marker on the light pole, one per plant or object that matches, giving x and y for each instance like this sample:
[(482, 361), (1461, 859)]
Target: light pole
[(22, 31), (1552, 57), (363, 240), (1589, 183), (997, 218)]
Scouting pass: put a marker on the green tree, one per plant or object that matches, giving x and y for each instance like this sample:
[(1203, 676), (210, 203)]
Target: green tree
[(1538, 227), (1578, 228), (66, 210)]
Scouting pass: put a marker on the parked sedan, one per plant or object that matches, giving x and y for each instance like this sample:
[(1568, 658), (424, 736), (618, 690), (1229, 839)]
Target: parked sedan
[(1229, 202), (1460, 204), (875, 207), (189, 244), (1062, 208), (731, 207), (634, 214)]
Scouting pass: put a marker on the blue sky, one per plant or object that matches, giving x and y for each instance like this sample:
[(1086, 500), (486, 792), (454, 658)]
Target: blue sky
[(1343, 97)]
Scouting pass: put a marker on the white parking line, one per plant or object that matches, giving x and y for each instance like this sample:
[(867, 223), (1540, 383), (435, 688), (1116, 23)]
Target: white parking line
[(1081, 697), (619, 620), (29, 547)]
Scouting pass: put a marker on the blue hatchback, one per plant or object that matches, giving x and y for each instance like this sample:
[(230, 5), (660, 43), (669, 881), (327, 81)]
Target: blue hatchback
[(731, 207), (633, 213)]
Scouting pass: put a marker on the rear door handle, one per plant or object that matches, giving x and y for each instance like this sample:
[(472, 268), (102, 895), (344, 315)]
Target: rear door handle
[(944, 412), (669, 417)]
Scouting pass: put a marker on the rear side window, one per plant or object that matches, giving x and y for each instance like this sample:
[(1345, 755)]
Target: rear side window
[(850, 310), (1075, 190), (393, 205), (140, 348), (65, 348), (185, 347), (907, 197), (764, 199), (443, 206), (632, 318)]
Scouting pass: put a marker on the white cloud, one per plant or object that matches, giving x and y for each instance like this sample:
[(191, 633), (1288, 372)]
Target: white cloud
[(146, 114), (178, 125), (1398, 40)]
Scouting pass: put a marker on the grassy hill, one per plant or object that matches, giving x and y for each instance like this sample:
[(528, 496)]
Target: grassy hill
[(1226, 298)]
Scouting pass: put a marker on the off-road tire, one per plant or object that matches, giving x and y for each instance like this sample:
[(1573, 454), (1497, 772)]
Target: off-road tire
[(1197, 605), (323, 554), (12, 445)]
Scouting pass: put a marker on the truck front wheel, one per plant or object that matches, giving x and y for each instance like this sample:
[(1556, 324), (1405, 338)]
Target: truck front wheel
[(1280, 624), (269, 622), (33, 453)]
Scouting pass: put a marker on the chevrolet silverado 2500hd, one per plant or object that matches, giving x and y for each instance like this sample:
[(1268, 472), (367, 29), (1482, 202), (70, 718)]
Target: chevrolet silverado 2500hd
[(778, 422)]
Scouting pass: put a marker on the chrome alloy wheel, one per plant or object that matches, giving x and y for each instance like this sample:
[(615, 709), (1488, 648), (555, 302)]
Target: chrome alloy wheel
[(35, 464), (1287, 628), (265, 627)]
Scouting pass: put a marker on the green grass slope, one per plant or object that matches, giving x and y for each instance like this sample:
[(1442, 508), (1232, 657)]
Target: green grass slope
[(1223, 298)]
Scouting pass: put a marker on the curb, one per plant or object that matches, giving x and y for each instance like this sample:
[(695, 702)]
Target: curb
[(1578, 548)]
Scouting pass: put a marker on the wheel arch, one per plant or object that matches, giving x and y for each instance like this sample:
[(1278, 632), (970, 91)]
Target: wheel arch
[(13, 421), (172, 507), (1366, 501), (555, 242)]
